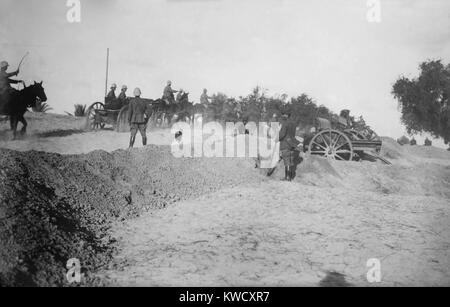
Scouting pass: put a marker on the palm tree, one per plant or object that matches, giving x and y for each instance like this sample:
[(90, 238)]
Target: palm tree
[(42, 107), (80, 110)]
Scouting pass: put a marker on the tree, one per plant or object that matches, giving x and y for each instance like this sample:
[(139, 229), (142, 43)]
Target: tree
[(424, 101)]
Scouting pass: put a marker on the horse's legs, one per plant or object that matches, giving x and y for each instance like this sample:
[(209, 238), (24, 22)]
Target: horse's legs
[(24, 123), (14, 121)]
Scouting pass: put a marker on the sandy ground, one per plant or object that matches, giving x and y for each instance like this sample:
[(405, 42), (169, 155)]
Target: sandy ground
[(66, 135), (333, 218), (280, 234)]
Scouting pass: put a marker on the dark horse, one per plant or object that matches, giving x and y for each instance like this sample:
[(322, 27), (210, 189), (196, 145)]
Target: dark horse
[(177, 111), (17, 104)]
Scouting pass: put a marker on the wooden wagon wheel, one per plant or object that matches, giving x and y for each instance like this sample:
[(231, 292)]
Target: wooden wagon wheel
[(93, 116), (122, 124), (332, 144)]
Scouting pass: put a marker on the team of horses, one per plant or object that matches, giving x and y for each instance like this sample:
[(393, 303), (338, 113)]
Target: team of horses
[(226, 110)]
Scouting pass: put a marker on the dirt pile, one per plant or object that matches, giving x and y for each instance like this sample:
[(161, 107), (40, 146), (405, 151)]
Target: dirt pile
[(53, 207), (415, 170)]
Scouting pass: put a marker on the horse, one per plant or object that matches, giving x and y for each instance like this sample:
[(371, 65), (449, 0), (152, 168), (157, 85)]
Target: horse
[(17, 104), (181, 110), (159, 110), (184, 109)]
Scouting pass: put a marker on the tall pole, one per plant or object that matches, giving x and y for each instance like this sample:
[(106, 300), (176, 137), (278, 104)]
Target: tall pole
[(107, 71)]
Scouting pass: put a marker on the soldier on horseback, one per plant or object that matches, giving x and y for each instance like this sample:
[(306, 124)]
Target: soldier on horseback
[(6, 90), (168, 95), (204, 98)]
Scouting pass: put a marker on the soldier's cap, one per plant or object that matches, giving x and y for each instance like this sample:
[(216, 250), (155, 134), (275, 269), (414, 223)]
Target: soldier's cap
[(137, 91), (124, 87), (113, 85), (4, 64)]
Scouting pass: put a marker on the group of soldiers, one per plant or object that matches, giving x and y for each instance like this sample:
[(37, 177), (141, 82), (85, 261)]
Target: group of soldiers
[(138, 114), (114, 102), (138, 111)]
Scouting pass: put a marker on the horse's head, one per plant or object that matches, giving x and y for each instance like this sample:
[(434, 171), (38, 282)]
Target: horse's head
[(184, 100), (34, 93), (38, 91)]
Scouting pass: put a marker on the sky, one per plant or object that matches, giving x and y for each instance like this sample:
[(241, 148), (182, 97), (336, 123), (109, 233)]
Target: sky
[(324, 48)]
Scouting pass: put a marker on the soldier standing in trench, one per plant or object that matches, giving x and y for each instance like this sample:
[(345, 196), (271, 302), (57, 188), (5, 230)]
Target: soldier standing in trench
[(137, 117)]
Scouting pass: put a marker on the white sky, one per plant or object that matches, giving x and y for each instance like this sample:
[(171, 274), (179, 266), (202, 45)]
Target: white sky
[(325, 48)]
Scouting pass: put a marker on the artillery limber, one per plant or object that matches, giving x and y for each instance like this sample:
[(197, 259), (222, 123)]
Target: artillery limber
[(338, 140), (99, 116)]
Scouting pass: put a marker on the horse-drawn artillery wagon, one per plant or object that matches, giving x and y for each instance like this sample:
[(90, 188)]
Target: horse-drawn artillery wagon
[(99, 115), (338, 140)]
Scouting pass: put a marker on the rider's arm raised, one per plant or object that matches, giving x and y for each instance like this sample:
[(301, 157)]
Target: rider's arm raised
[(12, 81), (12, 74)]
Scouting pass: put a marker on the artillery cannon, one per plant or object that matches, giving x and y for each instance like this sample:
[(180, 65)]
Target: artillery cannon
[(337, 140)]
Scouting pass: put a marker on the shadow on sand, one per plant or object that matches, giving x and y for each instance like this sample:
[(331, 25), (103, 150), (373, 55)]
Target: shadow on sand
[(334, 279), (6, 135)]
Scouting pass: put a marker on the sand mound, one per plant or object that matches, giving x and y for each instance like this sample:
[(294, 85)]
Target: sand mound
[(55, 207), (403, 177), (411, 155)]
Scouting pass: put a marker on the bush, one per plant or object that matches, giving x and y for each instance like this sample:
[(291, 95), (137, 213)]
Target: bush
[(403, 140), (41, 107), (80, 110)]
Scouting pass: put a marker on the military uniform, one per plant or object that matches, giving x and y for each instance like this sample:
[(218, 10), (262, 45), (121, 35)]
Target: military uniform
[(6, 91), (111, 95), (204, 98), (110, 99), (122, 99), (168, 94), (288, 148), (6, 81), (137, 119)]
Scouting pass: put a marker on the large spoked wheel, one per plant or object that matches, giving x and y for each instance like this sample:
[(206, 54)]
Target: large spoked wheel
[(122, 124), (94, 118), (332, 144)]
